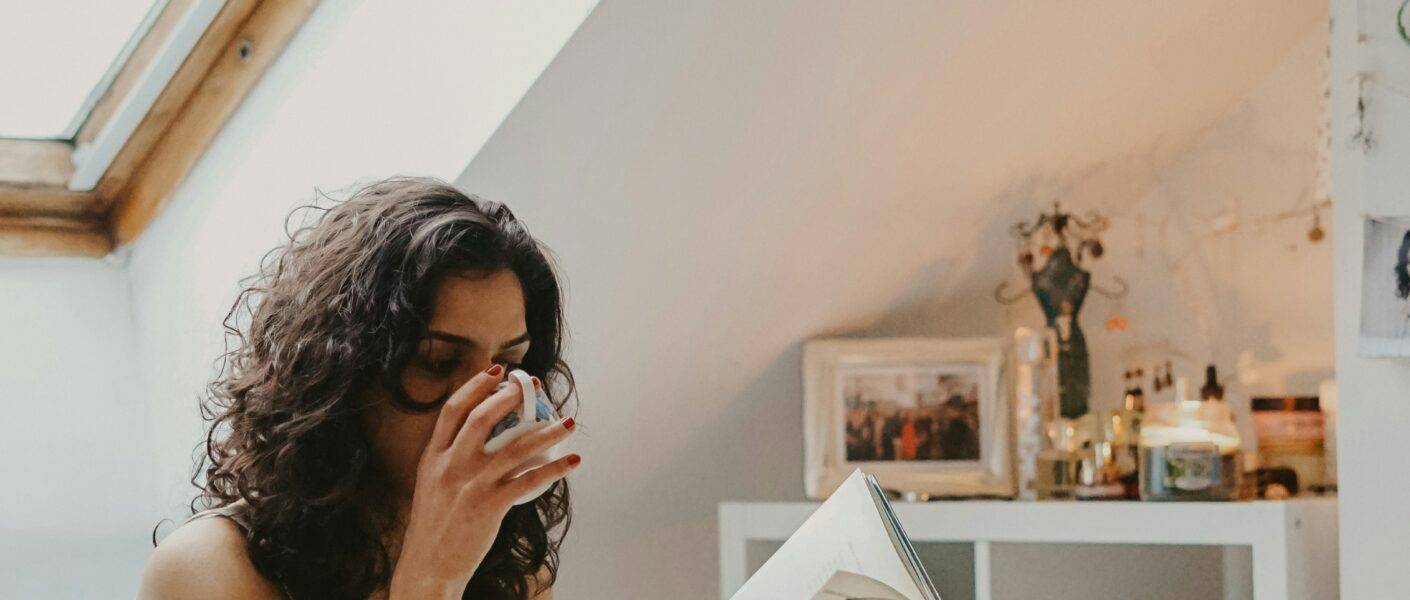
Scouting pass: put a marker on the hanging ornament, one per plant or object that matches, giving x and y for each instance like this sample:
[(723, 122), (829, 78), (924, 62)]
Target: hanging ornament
[(1064, 241), (1025, 260), (1116, 318), (1316, 234)]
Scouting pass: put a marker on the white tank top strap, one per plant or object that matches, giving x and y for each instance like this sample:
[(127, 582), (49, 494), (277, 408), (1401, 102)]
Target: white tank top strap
[(235, 511)]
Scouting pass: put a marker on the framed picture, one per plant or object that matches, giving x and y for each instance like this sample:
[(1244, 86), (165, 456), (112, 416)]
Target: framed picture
[(1385, 289), (922, 415)]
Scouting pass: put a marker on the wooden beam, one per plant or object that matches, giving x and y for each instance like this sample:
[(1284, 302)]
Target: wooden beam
[(214, 42), (47, 201), (35, 163), (238, 65), (39, 216), (52, 236), (132, 69)]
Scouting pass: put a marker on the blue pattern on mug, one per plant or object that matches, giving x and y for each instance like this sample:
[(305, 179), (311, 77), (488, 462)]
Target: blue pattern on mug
[(543, 411)]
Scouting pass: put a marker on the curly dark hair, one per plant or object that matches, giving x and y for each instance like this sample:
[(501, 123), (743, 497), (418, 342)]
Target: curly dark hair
[(1402, 268), (338, 310)]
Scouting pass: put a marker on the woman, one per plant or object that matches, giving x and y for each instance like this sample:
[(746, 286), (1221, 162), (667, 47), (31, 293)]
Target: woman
[(346, 444)]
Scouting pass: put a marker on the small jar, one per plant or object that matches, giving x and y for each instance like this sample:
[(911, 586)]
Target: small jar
[(1290, 434), (1059, 462), (1189, 451)]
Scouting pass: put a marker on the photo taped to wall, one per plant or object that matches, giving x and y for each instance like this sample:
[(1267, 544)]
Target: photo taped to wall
[(1385, 289)]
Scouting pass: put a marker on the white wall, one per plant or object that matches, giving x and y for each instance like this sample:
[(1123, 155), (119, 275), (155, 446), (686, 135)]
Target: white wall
[(1217, 253), (77, 478), (367, 89), (1374, 393), (723, 181)]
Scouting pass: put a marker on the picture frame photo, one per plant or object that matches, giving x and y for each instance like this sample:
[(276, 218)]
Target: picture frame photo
[(928, 417), (1385, 289)]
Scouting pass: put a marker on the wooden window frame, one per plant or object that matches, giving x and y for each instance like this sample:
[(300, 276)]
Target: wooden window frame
[(41, 214)]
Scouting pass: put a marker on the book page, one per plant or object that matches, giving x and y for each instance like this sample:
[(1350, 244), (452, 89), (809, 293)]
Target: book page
[(846, 533), (901, 542), (846, 585)]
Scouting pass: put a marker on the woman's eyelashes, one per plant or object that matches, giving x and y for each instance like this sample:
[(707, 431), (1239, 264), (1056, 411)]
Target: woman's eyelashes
[(446, 365), (438, 365)]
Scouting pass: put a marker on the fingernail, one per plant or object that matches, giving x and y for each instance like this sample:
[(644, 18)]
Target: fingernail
[(569, 423), (574, 459), (495, 370), (537, 384)]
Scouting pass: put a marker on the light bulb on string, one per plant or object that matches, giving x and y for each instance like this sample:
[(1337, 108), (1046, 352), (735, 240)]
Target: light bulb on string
[(1316, 234)]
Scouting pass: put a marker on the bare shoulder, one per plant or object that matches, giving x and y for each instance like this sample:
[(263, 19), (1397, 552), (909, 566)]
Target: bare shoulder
[(541, 587), (204, 559)]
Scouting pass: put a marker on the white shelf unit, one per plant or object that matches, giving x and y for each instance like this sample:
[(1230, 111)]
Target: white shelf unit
[(1293, 542)]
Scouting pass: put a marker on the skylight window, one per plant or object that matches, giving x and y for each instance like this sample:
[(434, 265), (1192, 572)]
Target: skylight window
[(57, 58), (105, 105)]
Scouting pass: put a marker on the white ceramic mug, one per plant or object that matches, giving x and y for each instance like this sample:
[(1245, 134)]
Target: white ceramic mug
[(535, 414)]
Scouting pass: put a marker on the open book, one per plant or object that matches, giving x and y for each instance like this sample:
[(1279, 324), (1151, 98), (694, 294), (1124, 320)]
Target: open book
[(852, 548)]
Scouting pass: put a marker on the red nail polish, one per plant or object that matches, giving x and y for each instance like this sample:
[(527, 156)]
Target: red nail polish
[(570, 424), (495, 370), (574, 459)]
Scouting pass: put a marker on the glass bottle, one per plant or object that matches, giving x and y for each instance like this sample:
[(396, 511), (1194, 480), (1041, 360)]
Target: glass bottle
[(1059, 461), (1100, 438), (1047, 444), (1126, 437)]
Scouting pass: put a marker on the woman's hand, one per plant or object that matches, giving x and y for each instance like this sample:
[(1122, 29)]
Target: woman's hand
[(462, 493)]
